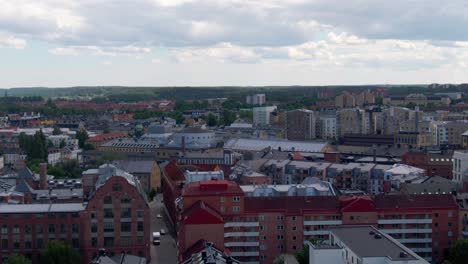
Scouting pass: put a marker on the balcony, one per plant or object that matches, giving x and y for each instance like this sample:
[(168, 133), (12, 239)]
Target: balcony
[(421, 250), (241, 234), (407, 231), (323, 222), (414, 240), (242, 244), (316, 232), (245, 254), (404, 221), (241, 224)]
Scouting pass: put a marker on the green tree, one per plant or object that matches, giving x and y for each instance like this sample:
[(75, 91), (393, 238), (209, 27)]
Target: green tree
[(82, 136), (247, 114), (35, 146), (228, 117), (458, 253), (56, 131), (410, 105), (62, 143), (212, 120), (57, 252), (18, 259)]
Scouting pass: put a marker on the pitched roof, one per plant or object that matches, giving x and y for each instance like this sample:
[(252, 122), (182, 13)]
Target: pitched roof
[(292, 205), (358, 204), (200, 213), (175, 171), (135, 166), (107, 136)]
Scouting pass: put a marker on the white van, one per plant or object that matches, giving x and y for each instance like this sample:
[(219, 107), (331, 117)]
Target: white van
[(156, 238)]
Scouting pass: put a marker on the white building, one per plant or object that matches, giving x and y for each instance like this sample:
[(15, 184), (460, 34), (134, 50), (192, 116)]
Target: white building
[(261, 115), (256, 99), (54, 157), (460, 166), (362, 245), (328, 126), (196, 176), (57, 139), (194, 137)]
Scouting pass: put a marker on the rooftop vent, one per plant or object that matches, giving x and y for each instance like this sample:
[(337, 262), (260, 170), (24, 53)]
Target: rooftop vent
[(371, 232), (403, 254), (378, 236)]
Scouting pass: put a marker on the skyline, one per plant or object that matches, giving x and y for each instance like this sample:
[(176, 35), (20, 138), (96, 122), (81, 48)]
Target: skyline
[(56, 43)]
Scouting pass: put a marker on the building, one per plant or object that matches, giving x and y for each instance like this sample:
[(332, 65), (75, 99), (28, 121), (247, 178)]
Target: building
[(350, 121), (257, 229), (327, 128), (256, 99), (433, 164), (417, 99), (243, 145), (362, 244), (194, 138), (465, 140), (148, 172), (204, 252), (261, 115), (413, 140), (351, 99), (122, 258), (460, 168), (301, 125), (434, 184), (98, 140), (125, 145), (116, 217), (223, 157)]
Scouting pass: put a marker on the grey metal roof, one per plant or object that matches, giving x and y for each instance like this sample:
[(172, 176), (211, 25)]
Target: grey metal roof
[(361, 242), (135, 166), (274, 144), (41, 208)]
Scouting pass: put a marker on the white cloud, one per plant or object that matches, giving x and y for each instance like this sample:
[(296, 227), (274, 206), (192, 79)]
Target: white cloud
[(129, 50), (12, 42)]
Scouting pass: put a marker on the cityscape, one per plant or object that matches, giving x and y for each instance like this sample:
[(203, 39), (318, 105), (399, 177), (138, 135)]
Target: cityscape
[(233, 132)]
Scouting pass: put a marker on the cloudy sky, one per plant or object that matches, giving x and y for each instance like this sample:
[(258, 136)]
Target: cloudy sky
[(232, 42)]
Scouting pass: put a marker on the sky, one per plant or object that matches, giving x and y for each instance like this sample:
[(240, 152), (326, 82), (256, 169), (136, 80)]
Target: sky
[(61, 43)]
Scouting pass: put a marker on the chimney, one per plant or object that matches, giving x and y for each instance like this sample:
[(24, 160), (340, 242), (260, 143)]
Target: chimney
[(43, 176)]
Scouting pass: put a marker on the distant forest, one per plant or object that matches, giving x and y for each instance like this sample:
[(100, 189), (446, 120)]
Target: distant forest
[(273, 93)]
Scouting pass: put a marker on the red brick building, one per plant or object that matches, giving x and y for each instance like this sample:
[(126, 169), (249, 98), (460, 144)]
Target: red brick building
[(433, 164), (257, 229), (116, 217)]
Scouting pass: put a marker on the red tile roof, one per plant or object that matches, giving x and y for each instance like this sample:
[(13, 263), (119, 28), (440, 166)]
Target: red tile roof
[(212, 187), (201, 214), (292, 205), (422, 201), (107, 136)]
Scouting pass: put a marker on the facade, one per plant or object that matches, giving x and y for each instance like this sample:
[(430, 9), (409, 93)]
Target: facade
[(350, 121), (116, 217), (413, 140), (460, 168), (328, 128), (261, 115), (417, 99), (301, 125), (349, 100), (256, 99), (194, 138), (257, 229), (362, 244), (148, 172), (433, 164)]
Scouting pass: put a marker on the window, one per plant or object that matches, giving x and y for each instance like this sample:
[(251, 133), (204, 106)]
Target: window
[(116, 187), (108, 241), (108, 226), (94, 242), (294, 218), (449, 223), (279, 217), (264, 237), (94, 227), (236, 199), (263, 247), (450, 214), (280, 227), (262, 228), (140, 240), (449, 233), (93, 215), (40, 243), (221, 199), (280, 237), (107, 200), (294, 247), (16, 229), (108, 213), (281, 247), (4, 243), (140, 213), (294, 238), (436, 214), (261, 218), (126, 227), (51, 228), (63, 228), (351, 218), (236, 208), (39, 229), (140, 227), (294, 228), (27, 229), (125, 200), (75, 228), (126, 241), (75, 242), (4, 229), (126, 213)]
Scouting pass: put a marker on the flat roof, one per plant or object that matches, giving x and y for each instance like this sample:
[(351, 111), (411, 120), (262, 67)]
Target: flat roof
[(285, 145), (360, 240), (41, 208)]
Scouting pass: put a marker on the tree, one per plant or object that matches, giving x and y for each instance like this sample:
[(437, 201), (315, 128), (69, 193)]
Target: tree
[(228, 117), (458, 253), (62, 143), (57, 252), (212, 120), (56, 131), (82, 136), (411, 105), (35, 146), (18, 259)]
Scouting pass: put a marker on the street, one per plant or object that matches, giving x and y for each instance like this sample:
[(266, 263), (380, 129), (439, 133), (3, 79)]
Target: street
[(166, 252)]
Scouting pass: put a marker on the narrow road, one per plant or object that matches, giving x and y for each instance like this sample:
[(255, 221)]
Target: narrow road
[(166, 252)]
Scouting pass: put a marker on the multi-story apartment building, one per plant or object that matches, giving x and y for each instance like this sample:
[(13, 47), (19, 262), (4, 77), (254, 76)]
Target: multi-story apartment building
[(115, 217), (261, 115), (349, 99), (256, 99), (460, 168), (433, 164), (257, 229), (349, 121), (301, 125), (394, 116), (326, 128)]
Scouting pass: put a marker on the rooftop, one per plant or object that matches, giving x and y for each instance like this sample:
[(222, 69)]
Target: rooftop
[(41, 208), (368, 242), (276, 144)]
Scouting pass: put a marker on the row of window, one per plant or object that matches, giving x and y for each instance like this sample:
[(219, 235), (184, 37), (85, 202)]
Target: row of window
[(39, 229), (124, 227), (124, 213)]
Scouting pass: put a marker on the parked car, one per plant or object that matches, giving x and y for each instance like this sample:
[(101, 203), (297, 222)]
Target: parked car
[(159, 216), (163, 232)]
